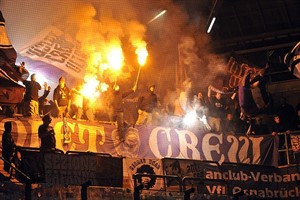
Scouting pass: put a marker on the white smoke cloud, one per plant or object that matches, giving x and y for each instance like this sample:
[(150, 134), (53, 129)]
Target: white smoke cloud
[(101, 21)]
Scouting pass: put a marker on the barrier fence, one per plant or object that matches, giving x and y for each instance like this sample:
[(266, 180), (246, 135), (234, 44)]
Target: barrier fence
[(178, 177), (288, 153)]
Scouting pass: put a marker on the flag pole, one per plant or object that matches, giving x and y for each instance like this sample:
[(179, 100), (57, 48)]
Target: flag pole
[(138, 75)]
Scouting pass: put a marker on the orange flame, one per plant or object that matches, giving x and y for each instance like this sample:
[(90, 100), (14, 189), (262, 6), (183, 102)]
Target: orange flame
[(90, 87), (110, 60), (115, 58), (104, 87), (142, 54), (102, 41)]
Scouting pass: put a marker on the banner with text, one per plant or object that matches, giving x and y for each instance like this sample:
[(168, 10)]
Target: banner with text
[(151, 142), (58, 49), (229, 179), (71, 169), (260, 181)]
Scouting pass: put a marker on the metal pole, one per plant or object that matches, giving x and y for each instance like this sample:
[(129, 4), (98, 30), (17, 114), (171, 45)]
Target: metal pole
[(84, 186), (286, 149), (138, 75), (28, 191)]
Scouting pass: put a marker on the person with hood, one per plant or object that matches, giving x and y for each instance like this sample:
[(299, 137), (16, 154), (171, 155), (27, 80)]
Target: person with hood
[(117, 106), (46, 134), (147, 102), (8, 145)]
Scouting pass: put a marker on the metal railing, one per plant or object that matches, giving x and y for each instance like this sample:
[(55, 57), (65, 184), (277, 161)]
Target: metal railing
[(288, 150), (138, 176), (182, 183), (201, 185), (87, 153), (138, 186), (27, 178)]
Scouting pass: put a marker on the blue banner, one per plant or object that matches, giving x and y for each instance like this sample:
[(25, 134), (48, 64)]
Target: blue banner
[(151, 142)]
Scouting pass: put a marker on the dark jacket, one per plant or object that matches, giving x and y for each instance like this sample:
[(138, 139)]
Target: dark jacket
[(8, 145), (47, 136), (61, 95), (32, 90), (117, 103), (41, 101), (217, 107), (147, 102)]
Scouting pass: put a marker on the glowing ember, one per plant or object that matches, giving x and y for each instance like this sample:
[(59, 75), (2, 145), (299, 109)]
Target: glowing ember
[(104, 87)]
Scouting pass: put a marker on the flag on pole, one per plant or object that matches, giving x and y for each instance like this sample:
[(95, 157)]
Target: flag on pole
[(10, 91), (58, 49), (8, 56), (252, 92), (292, 60)]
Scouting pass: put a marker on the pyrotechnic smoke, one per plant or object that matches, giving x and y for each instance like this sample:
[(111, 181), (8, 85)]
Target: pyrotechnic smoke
[(103, 33), (199, 62), (121, 26)]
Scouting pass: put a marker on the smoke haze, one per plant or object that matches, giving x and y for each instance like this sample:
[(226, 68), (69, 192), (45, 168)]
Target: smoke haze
[(175, 41)]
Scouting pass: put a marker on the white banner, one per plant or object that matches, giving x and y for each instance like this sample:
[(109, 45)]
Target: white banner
[(54, 47)]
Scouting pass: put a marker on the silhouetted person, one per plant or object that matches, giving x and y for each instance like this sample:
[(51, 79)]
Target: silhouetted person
[(278, 127), (76, 109), (228, 124), (298, 115), (147, 102), (117, 106), (47, 134), (258, 127), (31, 97), (217, 107), (43, 99), (8, 145), (287, 115)]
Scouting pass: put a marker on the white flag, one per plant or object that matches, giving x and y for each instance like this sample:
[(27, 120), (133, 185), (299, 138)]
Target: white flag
[(54, 47), (292, 60)]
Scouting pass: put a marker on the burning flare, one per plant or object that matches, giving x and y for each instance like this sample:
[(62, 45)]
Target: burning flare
[(90, 87), (96, 67), (102, 36), (115, 58), (142, 54)]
